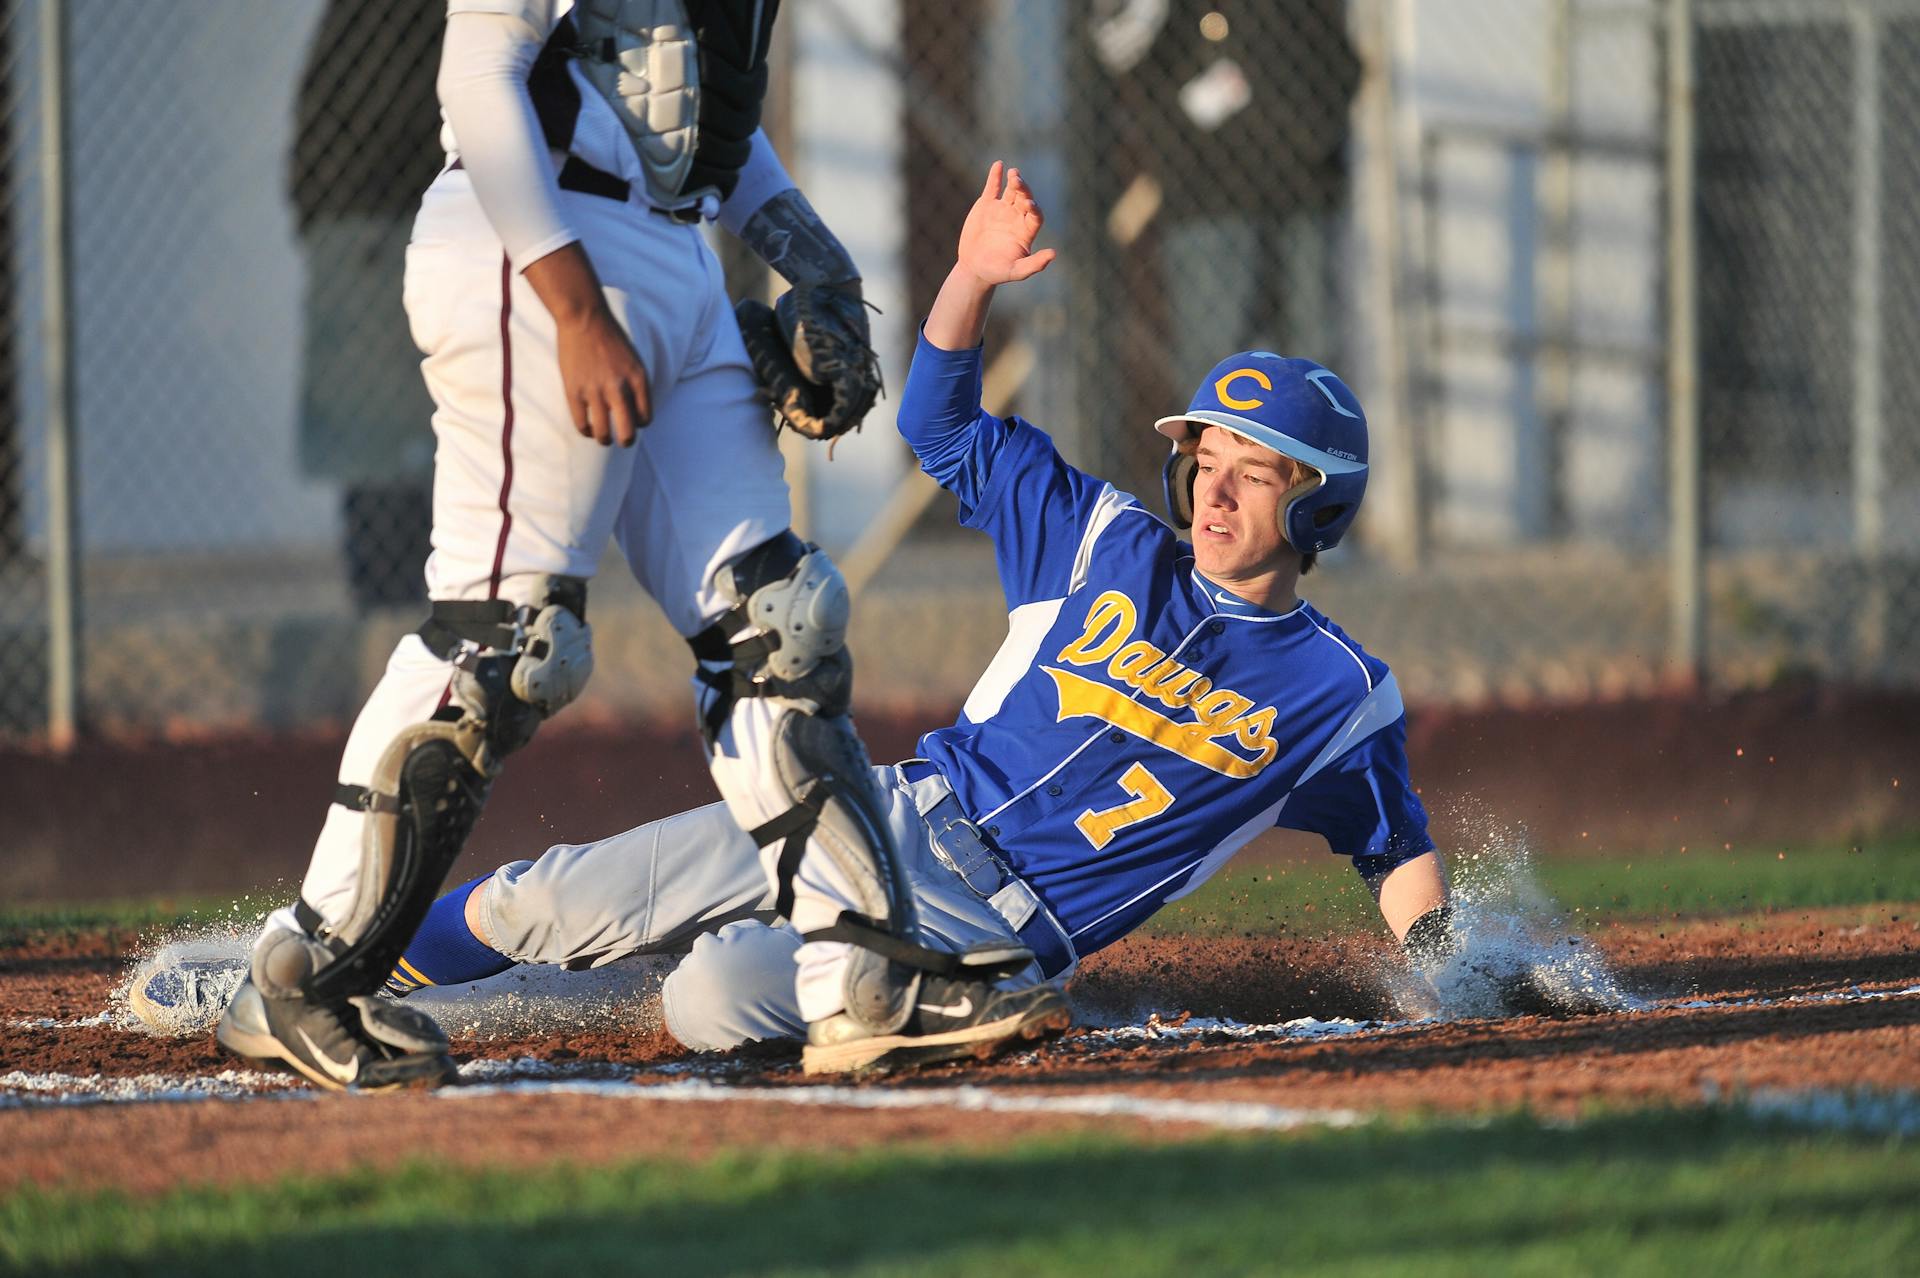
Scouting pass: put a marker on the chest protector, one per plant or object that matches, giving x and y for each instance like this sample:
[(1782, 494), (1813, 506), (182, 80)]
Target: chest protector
[(685, 78)]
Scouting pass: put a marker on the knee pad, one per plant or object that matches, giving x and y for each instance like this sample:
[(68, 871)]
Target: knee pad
[(513, 666), (785, 635)]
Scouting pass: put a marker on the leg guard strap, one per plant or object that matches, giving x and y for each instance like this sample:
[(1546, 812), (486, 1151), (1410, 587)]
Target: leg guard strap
[(728, 686), (311, 921), (796, 826), (494, 623), (361, 799), (986, 962), (486, 622), (715, 645)]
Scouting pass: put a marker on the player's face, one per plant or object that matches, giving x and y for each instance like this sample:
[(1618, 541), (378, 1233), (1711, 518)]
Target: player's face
[(1237, 497)]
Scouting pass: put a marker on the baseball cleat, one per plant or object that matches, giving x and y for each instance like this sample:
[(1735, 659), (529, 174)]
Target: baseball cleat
[(185, 995), (951, 1020), (335, 1047)]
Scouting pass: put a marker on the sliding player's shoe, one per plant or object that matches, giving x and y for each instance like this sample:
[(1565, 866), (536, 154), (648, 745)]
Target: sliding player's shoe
[(178, 994), (951, 1020)]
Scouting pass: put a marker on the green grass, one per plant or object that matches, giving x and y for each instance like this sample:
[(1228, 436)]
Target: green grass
[(1681, 1193), (1719, 881), (1314, 896), (17, 922)]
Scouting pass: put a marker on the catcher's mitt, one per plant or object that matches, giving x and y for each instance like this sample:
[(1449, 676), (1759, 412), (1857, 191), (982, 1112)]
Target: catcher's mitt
[(813, 357)]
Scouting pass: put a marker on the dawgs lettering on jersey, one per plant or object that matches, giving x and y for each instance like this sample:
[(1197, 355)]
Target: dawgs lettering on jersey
[(1217, 712)]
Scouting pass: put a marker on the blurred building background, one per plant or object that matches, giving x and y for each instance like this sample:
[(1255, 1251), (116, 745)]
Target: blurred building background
[(1623, 284)]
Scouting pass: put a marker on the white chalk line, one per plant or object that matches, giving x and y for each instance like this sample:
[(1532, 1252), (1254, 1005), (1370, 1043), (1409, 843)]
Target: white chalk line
[(1213, 1029), (20, 1089), (53, 1090), (1217, 1030), (970, 1098), (1885, 1113), (111, 1017), (1854, 995)]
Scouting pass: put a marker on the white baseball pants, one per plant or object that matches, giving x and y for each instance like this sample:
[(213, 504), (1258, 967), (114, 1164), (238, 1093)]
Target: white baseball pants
[(519, 494), (692, 884)]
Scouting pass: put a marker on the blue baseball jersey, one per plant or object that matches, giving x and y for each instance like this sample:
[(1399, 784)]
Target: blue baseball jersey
[(1139, 724)]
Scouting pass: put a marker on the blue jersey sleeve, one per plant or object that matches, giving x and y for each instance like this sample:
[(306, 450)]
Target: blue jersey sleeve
[(1363, 804), (1012, 483)]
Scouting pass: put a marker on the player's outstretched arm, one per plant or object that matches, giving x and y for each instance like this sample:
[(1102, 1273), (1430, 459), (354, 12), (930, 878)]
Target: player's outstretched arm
[(996, 247), (1411, 890)]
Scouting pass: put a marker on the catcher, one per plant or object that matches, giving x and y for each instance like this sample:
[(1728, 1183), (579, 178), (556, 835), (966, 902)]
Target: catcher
[(586, 369)]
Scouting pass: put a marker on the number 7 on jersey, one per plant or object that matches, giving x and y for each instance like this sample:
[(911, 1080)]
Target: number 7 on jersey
[(1150, 799)]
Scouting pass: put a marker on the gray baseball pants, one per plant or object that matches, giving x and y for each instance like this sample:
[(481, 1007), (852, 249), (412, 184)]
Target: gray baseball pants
[(693, 884)]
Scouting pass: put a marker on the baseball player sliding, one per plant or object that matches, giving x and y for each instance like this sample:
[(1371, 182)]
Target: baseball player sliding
[(1156, 704), (587, 373)]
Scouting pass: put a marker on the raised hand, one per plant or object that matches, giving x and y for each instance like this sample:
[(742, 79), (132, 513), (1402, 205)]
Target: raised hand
[(996, 242)]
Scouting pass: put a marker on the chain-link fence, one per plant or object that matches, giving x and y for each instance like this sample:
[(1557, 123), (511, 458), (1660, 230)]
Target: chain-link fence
[(1809, 245), (1462, 207), (23, 635)]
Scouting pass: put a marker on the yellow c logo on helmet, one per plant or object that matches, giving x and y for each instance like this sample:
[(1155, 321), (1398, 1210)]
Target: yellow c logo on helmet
[(1226, 397)]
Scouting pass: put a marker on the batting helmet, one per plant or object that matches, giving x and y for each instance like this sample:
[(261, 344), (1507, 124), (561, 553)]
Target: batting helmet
[(1298, 409)]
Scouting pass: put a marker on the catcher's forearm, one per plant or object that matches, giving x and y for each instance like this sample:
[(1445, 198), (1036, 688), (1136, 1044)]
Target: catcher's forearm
[(567, 285), (790, 237), (958, 320)]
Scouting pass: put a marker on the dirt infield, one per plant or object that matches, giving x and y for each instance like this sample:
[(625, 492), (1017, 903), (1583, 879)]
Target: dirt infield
[(1181, 1034)]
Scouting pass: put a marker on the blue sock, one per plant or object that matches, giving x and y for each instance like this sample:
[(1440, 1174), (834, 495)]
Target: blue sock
[(445, 951)]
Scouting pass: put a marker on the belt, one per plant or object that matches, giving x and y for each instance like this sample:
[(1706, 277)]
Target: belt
[(976, 861), (579, 176)]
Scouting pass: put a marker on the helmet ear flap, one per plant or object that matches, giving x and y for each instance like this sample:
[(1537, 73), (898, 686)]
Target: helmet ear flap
[(1294, 520), (1178, 477), (1307, 528)]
